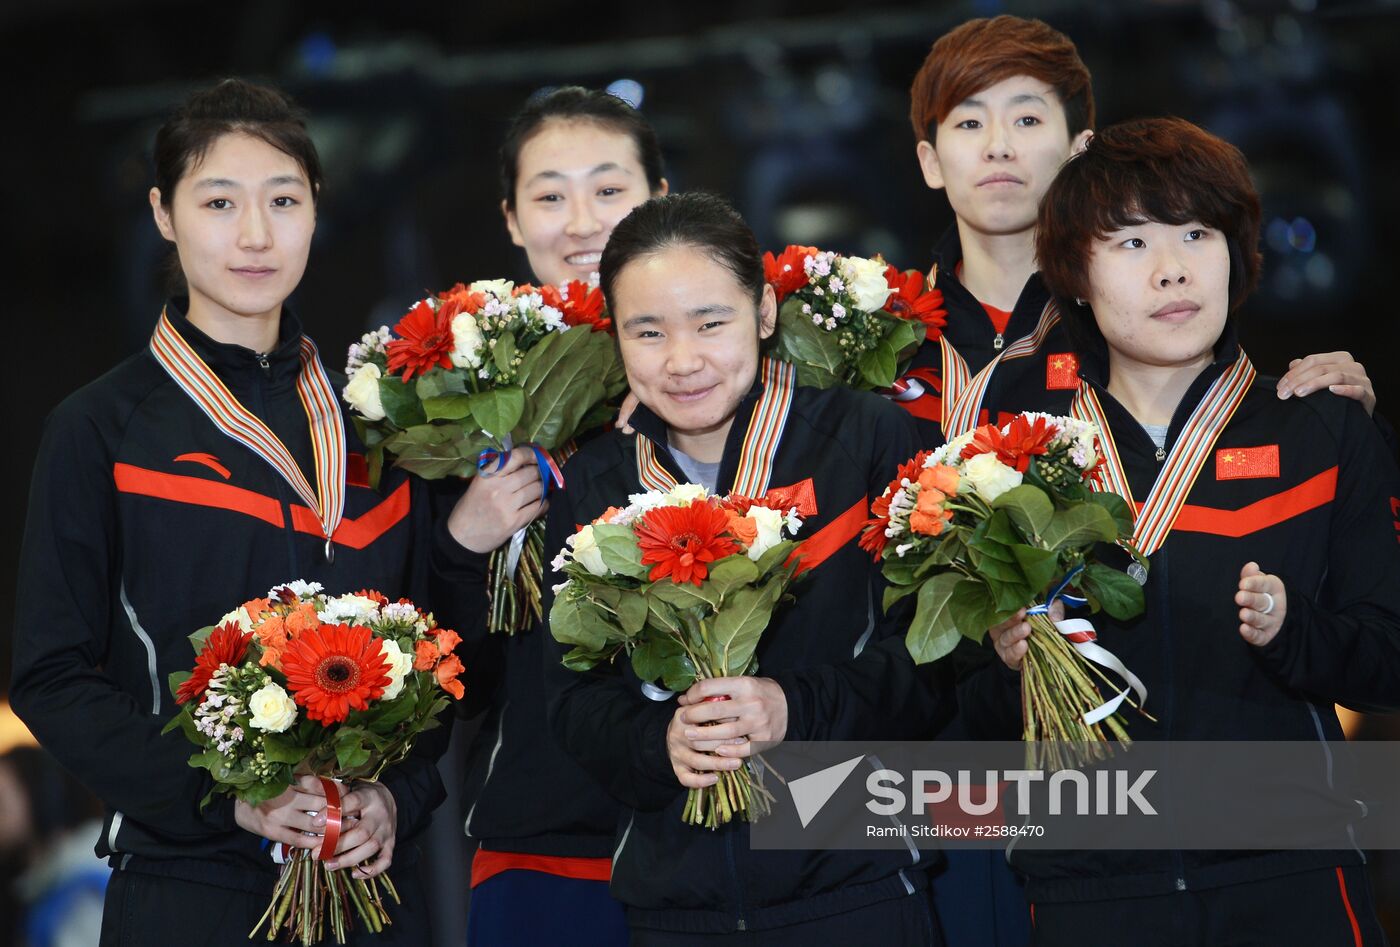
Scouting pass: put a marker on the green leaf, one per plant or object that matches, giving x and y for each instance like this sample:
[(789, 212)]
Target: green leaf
[(775, 556), (973, 609), (1116, 592), (893, 593), (350, 749), (1117, 508), (661, 658), (817, 354), (1039, 566), (503, 354), (1029, 508), (198, 638), (258, 793), (933, 632), (621, 554), (452, 407), (683, 594), (731, 573), (577, 621), (498, 410), (632, 613), (737, 627), (581, 659), (565, 376), (900, 570), (176, 679), (279, 749), (1080, 526), (905, 336), (439, 382), (431, 451), (877, 366), (402, 408)]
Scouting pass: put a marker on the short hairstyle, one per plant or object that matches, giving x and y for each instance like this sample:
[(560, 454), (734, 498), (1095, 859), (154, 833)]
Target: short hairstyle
[(696, 219), (981, 53), (1165, 170), (577, 104), (232, 106)]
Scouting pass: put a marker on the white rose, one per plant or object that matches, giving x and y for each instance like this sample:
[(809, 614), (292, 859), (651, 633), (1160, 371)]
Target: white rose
[(642, 502), (399, 666), (500, 288), (770, 530), (363, 392), (273, 711), (990, 478), (466, 341), (684, 494), (239, 617), (586, 552), (865, 282), (349, 610)]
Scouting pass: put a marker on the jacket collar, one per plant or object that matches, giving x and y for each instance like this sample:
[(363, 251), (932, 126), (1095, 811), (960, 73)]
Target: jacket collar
[(237, 364), (648, 423), (947, 254)]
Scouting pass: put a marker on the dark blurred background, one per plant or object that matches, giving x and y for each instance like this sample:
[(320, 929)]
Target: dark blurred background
[(797, 111)]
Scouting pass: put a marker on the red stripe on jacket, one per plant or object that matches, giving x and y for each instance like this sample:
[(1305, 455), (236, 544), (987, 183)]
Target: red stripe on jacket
[(1270, 511), (356, 533)]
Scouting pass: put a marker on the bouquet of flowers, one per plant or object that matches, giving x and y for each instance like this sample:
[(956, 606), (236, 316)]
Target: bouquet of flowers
[(998, 519), (302, 682), (847, 320), (684, 584), (475, 372)]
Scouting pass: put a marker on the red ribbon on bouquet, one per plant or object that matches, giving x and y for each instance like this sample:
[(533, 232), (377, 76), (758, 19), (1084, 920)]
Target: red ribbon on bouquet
[(331, 837)]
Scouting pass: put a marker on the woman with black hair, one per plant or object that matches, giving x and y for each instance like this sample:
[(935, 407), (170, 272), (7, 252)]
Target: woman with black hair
[(573, 163), (684, 283), (208, 468)]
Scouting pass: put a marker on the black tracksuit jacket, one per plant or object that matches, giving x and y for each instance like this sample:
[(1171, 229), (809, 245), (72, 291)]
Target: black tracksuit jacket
[(843, 668), (1327, 525), (146, 523), (1035, 379)]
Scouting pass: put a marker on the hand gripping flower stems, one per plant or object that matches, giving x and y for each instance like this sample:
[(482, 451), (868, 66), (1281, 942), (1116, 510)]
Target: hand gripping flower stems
[(471, 374), (683, 584), (301, 684), (1005, 516)]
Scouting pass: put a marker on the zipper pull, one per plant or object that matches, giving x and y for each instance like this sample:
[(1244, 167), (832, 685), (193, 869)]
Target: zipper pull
[(1161, 454), (264, 364), (998, 342)]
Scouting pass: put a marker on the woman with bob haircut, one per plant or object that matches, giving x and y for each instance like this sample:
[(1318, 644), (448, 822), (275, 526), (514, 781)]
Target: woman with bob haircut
[(573, 163), (149, 516), (1271, 591), (684, 282)]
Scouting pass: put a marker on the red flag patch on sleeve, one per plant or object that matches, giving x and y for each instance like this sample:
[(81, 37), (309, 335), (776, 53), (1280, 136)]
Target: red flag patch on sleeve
[(1061, 371), (1244, 463)]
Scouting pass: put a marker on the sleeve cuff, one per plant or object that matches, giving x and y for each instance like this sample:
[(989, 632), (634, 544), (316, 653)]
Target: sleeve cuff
[(453, 560)]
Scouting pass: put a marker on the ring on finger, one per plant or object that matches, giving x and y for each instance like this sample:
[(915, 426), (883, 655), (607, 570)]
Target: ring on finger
[(1268, 609)]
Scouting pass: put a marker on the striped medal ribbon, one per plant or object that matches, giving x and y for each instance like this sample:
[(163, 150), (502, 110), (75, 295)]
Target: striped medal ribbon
[(1182, 466), (760, 441), (963, 392), (205, 388)]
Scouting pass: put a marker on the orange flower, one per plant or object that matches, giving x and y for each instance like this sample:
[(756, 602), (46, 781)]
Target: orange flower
[(446, 674), (579, 303), (302, 619), (940, 477), (1022, 440), (910, 301), (334, 668), (742, 528), (272, 638), (928, 524), (608, 514), (448, 640), (379, 598), (458, 300), (256, 606), (930, 501), (681, 541), (425, 655), (226, 644)]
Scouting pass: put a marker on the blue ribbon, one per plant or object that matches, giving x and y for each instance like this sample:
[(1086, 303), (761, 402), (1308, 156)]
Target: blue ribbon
[(1071, 600), (550, 475)]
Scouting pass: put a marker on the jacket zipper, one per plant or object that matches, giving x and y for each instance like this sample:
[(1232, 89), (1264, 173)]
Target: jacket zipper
[(739, 923), (998, 342), (1178, 864), (288, 530), (490, 767)]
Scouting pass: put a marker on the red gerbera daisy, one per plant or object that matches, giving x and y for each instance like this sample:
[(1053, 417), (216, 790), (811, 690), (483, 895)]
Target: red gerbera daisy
[(910, 301), (424, 341), (784, 272), (1022, 440), (581, 304), (680, 541), (226, 644), (459, 299), (333, 668)]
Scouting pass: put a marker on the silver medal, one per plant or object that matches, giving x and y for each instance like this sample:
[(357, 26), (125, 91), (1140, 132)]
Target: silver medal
[(1137, 572)]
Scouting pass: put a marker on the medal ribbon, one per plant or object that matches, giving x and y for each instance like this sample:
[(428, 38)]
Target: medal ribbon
[(963, 392), (207, 391), (1154, 519), (761, 441)]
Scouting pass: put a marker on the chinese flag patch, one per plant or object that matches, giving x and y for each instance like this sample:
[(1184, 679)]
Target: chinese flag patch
[(1243, 463), (1061, 371)]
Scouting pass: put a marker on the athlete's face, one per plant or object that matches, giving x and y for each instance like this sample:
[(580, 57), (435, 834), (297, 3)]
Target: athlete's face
[(241, 221), (997, 152), (689, 335), (574, 181), (1160, 292)]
